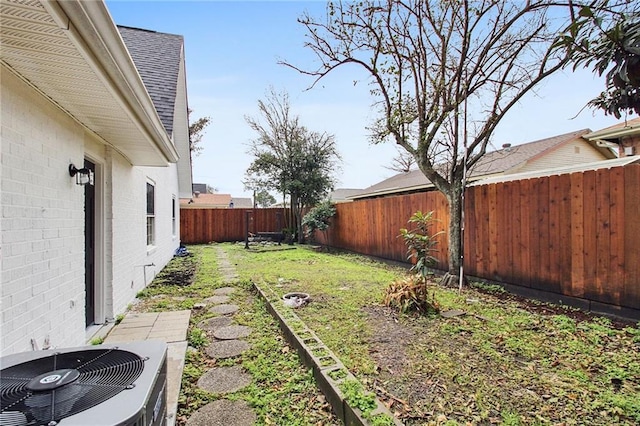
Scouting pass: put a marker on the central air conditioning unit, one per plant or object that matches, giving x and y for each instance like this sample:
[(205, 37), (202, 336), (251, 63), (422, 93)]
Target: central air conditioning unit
[(88, 386)]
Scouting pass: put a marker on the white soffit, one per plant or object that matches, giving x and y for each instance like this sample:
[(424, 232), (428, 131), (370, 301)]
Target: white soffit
[(35, 48)]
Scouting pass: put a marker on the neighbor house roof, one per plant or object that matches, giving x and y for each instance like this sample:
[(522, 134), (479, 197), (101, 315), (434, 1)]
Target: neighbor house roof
[(509, 159), (342, 194), (207, 200), (242, 202), (199, 187), (617, 131), (157, 58), (604, 164), (503, 161)]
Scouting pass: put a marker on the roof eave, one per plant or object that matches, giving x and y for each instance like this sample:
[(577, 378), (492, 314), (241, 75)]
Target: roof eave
[(91, 28), (613, 134)]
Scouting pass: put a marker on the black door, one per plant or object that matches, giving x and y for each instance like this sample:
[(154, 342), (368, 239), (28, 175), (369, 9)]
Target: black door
[(89, 248)]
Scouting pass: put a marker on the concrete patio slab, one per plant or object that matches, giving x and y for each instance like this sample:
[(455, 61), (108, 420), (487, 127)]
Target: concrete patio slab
[(169, 327)]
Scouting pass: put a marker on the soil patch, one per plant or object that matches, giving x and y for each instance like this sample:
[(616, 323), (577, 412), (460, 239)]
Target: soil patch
[(179, 271)]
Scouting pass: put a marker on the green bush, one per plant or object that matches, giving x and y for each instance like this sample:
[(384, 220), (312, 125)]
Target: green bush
[(420, 242), (318, 218)]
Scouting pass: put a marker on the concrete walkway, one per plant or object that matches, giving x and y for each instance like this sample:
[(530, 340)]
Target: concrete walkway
[(169, 327)]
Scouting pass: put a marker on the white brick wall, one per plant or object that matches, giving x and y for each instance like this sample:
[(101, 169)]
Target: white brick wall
[(42, 222), (42, 294)]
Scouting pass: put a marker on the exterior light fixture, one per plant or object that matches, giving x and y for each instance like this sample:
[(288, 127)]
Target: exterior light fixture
[(83, 176)]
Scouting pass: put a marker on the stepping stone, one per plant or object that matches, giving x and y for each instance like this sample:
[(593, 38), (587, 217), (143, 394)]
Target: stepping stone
[(224, 309), (223, 413), (224, 291), (232, 332), (227, 348), (217, 299), (224, 379), (452, 313), (212, 324)]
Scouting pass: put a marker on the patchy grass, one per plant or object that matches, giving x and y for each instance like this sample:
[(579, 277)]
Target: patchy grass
[(282, 392), (339, 286), (506, 361)]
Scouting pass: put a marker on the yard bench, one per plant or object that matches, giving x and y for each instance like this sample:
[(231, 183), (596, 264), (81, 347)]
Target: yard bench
[(269, 236)]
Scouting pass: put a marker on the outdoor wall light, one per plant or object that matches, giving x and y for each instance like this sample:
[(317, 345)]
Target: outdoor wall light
[(83, 176)]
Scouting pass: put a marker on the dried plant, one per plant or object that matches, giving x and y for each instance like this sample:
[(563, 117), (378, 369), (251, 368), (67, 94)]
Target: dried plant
[(411, 294)]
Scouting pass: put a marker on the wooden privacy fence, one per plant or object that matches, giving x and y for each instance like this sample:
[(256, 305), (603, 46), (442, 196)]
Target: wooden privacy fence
[(575, 234), (204, 225)]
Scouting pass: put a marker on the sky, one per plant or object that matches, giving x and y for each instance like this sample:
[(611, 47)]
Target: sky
[(232, 51)]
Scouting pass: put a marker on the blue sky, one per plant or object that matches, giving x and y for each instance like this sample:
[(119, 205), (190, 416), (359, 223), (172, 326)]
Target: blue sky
[(232, 49)]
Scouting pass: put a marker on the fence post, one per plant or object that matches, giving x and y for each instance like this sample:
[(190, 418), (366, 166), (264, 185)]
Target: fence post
[(247, 215)]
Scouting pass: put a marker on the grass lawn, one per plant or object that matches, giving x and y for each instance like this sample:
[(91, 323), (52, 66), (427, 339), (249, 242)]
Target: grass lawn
[(506, 361)]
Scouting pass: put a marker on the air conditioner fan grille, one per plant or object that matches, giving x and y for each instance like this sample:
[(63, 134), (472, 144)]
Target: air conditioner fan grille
[(103, 373)]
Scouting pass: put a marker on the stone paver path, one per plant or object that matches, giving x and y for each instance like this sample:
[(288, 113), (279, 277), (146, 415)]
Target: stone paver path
[(217, 299), (223, 413), (232, 332), (224, 379), (224, 309), (227, 344), (212, 324), (227, 348), (224, 291)]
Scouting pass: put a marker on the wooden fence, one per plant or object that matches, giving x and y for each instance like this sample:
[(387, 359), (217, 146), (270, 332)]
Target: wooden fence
[(576, 235), (204, 225)]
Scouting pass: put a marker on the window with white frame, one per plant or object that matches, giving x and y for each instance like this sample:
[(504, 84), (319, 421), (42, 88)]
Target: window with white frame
[(151, 214), (174, 214)]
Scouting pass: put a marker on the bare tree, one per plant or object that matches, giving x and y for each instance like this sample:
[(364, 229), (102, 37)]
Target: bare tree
[(404, 162), (444, 74), (196, 132)]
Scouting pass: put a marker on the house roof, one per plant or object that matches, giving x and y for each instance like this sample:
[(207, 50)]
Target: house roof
[(604, 164), (199, 187), (617, 131), (157, 58), (502, 161), (72, 53), (342, 194), (208, 200), (242, 202)]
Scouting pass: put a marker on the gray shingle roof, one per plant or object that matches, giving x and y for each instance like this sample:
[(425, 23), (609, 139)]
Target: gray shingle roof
[(157, 58), (341, 194), (503, 160), (500, 161)]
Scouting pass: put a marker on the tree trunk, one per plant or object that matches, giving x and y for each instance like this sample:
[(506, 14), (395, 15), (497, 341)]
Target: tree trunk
[(452, 277), (299, 225)]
